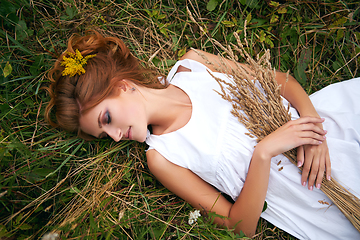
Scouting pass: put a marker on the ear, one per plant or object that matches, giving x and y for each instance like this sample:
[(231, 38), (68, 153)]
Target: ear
[(123, 85)]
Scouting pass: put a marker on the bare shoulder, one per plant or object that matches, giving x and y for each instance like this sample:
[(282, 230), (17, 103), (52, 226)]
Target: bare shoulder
[(154, 159), (159, 165), (210, 60), (201, 57), (194, 55), (188, 186)]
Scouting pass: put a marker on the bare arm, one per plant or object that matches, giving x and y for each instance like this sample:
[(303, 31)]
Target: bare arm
[(201, 195), (245, 212), (314, 159)]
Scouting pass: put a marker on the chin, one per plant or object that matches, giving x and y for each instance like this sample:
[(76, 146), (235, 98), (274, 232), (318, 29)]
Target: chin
[(140, 137), (142, 140)]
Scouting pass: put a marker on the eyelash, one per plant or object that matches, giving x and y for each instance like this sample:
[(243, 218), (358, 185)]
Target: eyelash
[(107, 119)]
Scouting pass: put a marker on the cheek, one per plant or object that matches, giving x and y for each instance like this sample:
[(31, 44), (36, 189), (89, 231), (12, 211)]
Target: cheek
[(133, 111), (130, 112)]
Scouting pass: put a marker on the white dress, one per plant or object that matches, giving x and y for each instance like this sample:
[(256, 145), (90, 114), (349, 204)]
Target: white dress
[(214, 146)]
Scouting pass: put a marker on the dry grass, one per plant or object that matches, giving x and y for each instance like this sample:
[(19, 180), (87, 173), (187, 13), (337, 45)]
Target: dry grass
[(51, 181), (262, 113)]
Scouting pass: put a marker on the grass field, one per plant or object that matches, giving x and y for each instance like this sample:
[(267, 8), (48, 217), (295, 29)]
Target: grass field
[(52, 181)]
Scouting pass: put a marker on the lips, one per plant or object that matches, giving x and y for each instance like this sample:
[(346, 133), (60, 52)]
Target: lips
[(128, 134)]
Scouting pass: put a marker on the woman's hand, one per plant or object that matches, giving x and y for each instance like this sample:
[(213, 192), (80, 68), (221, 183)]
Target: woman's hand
[(315, 161), (302, 131)]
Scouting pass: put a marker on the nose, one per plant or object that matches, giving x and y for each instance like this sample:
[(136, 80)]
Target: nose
[(114, 133)]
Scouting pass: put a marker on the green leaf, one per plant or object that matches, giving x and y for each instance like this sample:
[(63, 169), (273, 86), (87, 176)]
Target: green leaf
[(336, 65), (161, 16), (282, 10), (251, 3), (269, 42), (25, 226), (181, 52), (248, 18), (74, 190), (35, 68), (340, 34), (21, 33), (274, 18), (18, 218), (155, 13), (259, 22), (71, 12), (92, 222), (304, 60), (211, 5), (357, 34), (262, 36), (300, 75), (7, 69), (227, 23), (3, 232), (274, 4), (339, 22), (170, 62), (29, 102), (164, 29), (7, 7), (175, 43)]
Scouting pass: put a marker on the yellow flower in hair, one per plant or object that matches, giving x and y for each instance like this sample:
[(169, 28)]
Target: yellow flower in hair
[(74, 63)]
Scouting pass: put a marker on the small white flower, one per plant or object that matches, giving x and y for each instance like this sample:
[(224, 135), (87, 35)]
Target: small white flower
[(50, 236), (193, 216)]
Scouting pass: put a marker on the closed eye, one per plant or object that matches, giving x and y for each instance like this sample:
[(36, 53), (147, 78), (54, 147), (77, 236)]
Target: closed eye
[(107, 118)]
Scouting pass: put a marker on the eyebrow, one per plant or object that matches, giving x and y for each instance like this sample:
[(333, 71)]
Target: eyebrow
[(99, 122), (100, 125)]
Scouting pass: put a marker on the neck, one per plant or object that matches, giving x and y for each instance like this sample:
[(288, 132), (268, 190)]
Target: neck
[(168, 109)]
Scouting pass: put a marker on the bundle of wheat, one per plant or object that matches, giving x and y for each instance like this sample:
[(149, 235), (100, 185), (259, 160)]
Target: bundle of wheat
[(264, 113)]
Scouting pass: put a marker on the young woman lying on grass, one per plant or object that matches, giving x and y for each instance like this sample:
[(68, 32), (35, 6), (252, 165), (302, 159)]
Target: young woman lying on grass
[(198, 148)]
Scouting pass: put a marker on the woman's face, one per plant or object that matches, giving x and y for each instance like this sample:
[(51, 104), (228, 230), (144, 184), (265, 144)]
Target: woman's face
[(120, 117)]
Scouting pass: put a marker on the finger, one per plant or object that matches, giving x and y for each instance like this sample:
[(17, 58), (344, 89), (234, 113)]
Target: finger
[(321, 170), (312, 128), (311, 135), (317, 161), (306, 169), (303, 120), (308, 141), (314, 170), (300, 156), (328, 165)]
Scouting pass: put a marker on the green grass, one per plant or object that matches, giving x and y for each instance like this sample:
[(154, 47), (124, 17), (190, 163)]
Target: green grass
[(52, 181)]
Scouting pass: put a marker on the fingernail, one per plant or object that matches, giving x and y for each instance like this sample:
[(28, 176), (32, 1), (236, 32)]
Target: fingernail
[(303, 183), (320, 142), (324, 137), (328, 178), (311, 188), (318, 186), (299, 164), (325, 131)]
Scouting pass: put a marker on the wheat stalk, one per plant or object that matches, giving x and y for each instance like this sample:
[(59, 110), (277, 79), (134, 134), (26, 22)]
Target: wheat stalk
[(263, 113)]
